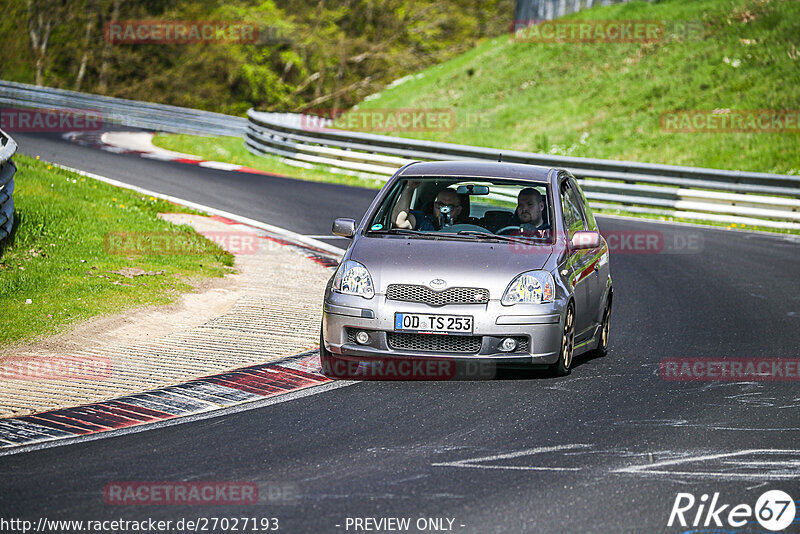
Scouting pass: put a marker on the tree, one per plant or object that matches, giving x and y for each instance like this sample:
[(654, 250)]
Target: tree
[(105, 60), (43, 16), (315, 53)]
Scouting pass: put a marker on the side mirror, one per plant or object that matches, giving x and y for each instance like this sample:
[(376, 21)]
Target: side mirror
[(585, 240), (344, 227)]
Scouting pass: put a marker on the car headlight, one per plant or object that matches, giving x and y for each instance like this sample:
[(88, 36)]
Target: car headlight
[(533, 287), (352, 278)]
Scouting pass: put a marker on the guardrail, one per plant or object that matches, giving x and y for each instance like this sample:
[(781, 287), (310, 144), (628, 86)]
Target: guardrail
[(146, 115), (549, 9), (7, 169), (769, 200)]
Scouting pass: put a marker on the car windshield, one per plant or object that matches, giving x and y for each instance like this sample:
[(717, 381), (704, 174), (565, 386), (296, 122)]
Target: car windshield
[(464, 208)]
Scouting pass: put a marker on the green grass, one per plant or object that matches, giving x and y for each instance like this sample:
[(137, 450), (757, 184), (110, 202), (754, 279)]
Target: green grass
[(233, 150), (58, 256), (605, 100)]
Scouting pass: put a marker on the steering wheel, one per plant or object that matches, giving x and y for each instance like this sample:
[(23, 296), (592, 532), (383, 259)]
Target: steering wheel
[(507, 228)]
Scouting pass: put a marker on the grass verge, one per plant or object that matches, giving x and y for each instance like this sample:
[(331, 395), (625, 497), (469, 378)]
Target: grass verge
[(57, 268), (606, 99)]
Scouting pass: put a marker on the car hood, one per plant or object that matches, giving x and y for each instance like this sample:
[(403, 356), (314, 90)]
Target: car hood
[(460, 263)]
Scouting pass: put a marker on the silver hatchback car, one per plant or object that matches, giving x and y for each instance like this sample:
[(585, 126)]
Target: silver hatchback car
[(464, 262)]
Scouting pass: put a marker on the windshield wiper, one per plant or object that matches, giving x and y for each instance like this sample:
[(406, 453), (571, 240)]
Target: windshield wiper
[(424, 233), (392, 231), (508, 238), (463, 234)]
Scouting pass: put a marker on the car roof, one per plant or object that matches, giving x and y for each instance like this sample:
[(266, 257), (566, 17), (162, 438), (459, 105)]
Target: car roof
[(478, 169)]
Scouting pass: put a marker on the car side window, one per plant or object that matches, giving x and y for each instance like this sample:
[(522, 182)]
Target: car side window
[(588, 217), (384, 214), (573, 218)]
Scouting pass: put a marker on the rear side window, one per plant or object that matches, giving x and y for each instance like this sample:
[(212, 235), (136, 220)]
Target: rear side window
[(587, 211), (573, 218)]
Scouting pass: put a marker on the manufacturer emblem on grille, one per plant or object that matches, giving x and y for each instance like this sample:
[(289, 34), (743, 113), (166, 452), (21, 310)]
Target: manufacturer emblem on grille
[(478, 297), (437, 284)]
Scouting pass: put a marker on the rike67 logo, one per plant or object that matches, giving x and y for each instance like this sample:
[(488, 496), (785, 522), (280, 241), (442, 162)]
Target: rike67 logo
[(775, 510)]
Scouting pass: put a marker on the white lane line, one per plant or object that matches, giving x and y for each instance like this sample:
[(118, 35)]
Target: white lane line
[(244, 407), (474, 462), (220, 165), (721, 476), (760, 463), (510, 467), (710, 457), (288, 234), (790, 470), (159, 157)]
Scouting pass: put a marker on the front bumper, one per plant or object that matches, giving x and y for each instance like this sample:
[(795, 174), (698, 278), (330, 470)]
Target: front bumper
[(539, 325)]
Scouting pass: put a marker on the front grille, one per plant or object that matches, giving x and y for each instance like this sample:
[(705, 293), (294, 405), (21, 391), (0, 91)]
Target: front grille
[(434, 342), (425, 295), (351, 335), (522, 344)]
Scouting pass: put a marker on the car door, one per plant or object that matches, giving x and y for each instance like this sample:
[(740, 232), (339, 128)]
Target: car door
[(577, 260), (596, 281)]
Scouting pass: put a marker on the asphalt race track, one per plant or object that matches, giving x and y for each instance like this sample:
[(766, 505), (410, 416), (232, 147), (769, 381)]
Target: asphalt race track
[(606, 449)]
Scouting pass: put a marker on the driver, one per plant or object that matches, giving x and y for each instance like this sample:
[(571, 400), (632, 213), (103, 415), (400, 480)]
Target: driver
[(530, 207), (446, 210)]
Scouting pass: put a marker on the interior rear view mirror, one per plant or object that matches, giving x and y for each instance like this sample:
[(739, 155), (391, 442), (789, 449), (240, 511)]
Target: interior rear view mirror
[(472, 189)]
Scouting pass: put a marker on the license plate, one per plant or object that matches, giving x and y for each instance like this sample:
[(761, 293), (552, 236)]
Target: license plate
[(439, 324)]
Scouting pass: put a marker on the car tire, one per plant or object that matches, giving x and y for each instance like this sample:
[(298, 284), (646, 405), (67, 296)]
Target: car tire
[(605, 328), (563, 366)]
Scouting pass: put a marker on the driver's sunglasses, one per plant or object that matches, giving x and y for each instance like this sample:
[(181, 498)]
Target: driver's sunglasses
[(440, 205)]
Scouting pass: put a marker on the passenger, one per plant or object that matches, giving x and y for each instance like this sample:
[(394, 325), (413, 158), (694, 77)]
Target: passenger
[(447, 210), (530, 210)]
